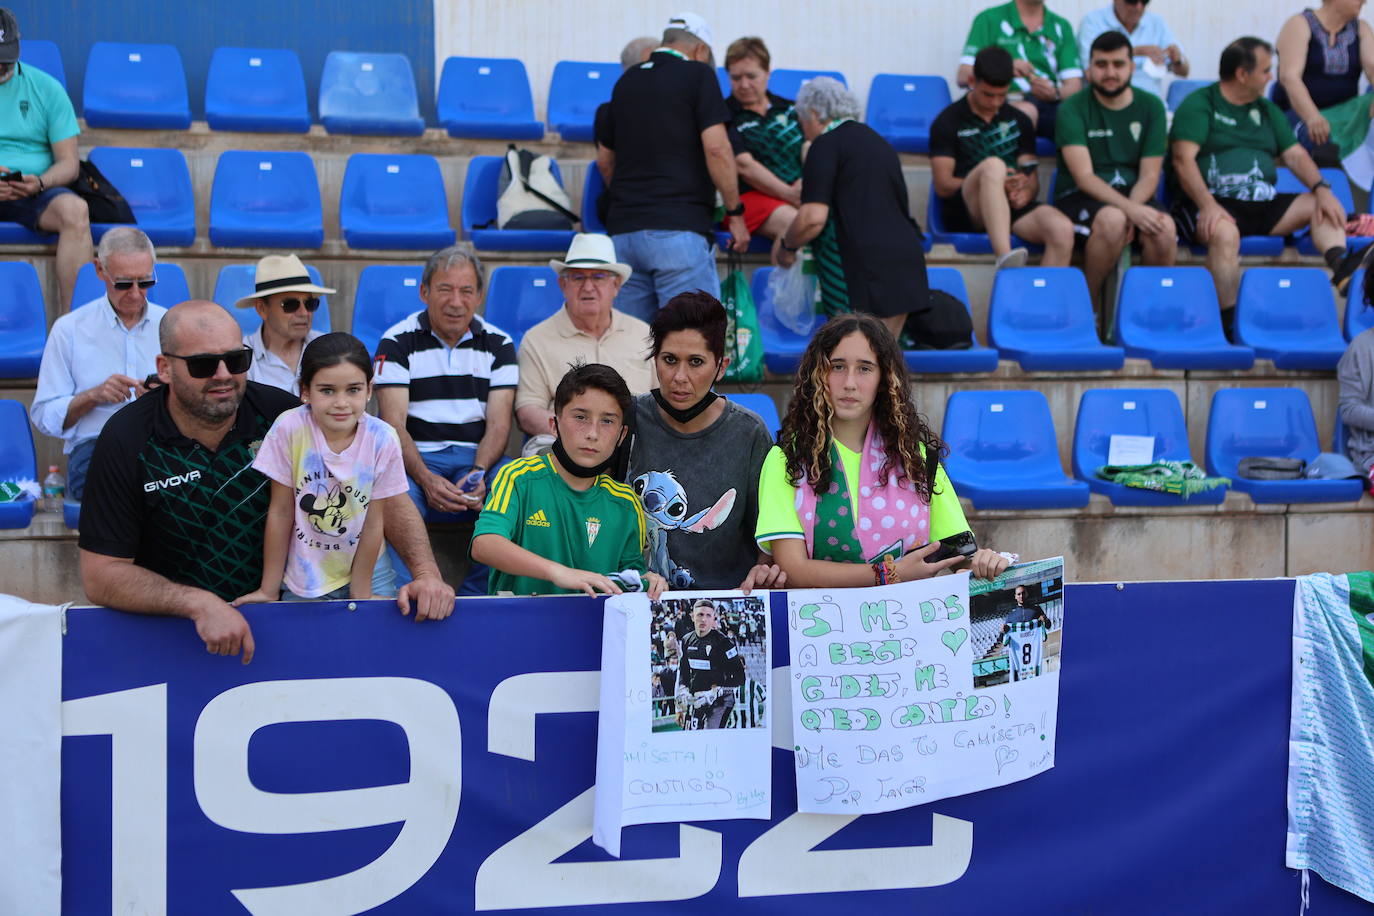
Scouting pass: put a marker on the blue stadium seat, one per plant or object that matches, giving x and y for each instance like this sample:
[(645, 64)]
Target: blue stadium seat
[(1107, 412), (1004, 454), (237, 280), (256, 89), (1170, 316), (369, 94), (963, 242), (1288, 183), (575, 91), (386, 293), (1358, 316), (157, 185), (171, 285), (488, 98), (479, 208), (787, 83), (17, 461), (71, 513), (723, 77), (762, 405), (782, 347), (1340, 436), (1288, 314), (1269, 422), (977, 358), (1181, 89), (394, 202), (521, 297), (1043, 318), (592, 189), (23, 320), (135, 85), (44, 55), (902, 107), (265, 200)]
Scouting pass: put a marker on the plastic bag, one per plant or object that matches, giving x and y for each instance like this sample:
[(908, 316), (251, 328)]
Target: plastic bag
[(793, 292), (743, 342)]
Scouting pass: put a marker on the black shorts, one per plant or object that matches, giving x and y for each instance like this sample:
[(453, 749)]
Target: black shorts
[(958, 219), (1046, 114), (1081, 209), (1253, 217)]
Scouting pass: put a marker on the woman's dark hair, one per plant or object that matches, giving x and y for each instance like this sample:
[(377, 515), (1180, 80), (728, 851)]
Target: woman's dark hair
[(806, 432), (749, 46), (330, 350), (584, 376), (1240, 55), (694, 311), (993, 66), (1109, 41)]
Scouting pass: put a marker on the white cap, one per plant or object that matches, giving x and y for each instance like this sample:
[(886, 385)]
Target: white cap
[(690, 22)]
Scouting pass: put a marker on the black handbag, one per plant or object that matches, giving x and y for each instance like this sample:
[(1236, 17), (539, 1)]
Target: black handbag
[(103, 200)]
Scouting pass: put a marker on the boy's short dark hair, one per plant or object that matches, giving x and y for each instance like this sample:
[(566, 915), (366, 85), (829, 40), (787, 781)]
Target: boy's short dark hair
[(993, 66), (1109, 41), (584, 376)]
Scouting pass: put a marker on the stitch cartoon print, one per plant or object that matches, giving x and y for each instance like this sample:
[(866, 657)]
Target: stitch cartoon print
[(665, 505)]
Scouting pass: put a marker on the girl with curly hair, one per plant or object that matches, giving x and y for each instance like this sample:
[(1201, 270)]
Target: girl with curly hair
[(854, 493)]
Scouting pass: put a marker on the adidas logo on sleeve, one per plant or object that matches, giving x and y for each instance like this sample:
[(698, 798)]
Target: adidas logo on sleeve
[(538, 520)]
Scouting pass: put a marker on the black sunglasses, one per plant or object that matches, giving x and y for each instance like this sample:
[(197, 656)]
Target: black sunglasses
[(290, 305), (125, 285), (1137, 2), (204, 365)]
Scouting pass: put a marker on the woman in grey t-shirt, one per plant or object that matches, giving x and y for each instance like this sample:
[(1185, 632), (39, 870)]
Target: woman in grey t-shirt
[(696, 456)]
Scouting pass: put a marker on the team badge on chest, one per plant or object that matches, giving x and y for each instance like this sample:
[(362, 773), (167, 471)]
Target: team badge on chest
[(593, 529)]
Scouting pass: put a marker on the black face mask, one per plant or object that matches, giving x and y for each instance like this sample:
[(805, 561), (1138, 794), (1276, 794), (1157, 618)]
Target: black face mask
[(572, 467), (691, 413)]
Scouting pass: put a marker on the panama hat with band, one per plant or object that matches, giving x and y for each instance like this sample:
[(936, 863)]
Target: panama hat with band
[(591, 251), (280, 273)]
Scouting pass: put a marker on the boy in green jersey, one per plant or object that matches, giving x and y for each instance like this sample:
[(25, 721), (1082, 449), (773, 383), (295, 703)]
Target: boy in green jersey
[(1226, 143), (558, 523)]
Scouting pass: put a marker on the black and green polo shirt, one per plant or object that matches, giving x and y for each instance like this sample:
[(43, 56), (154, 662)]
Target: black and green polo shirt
[(173, 506), (774, 138)]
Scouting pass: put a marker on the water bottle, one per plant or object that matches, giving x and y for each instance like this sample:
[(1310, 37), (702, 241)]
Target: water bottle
[(54, 489)]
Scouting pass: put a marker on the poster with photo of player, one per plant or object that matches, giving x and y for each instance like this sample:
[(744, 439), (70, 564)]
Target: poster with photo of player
[(1017, 623), (708, 663)]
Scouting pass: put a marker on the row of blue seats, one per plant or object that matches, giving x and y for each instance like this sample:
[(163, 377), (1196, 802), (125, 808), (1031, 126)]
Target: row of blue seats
[(1267, 246), (263, 89), (1040, 317), (1004, 451)]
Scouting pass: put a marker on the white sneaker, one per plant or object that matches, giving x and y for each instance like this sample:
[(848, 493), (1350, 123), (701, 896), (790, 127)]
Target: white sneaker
[(1014, 258)]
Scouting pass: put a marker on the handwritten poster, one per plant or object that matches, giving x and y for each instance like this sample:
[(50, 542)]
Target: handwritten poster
[(685, 729), (910, 693)]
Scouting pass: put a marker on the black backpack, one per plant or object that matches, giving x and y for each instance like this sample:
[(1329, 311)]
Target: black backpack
[(528, 195)]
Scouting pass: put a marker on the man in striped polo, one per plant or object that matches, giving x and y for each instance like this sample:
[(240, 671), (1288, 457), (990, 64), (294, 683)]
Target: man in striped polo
[(446, 381)]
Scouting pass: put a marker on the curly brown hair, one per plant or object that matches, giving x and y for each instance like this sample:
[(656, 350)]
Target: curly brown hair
[(806, 435)]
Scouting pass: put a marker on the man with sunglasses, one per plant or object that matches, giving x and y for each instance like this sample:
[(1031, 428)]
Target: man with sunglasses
[(38, 158), (586, 329), (173, 519), (99, 354), (1156, 49), (286, 300)]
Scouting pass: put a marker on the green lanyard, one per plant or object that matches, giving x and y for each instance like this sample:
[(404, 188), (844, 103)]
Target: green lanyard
[(673, 51)]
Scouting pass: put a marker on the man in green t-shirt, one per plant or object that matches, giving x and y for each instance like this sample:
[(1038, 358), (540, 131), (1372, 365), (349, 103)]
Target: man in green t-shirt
[(558, 523), (38, 159), (1042, 45), (1226, 141), (1111, 143)]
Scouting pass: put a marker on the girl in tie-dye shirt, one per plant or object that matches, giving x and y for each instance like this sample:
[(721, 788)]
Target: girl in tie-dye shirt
[(333, 468)]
